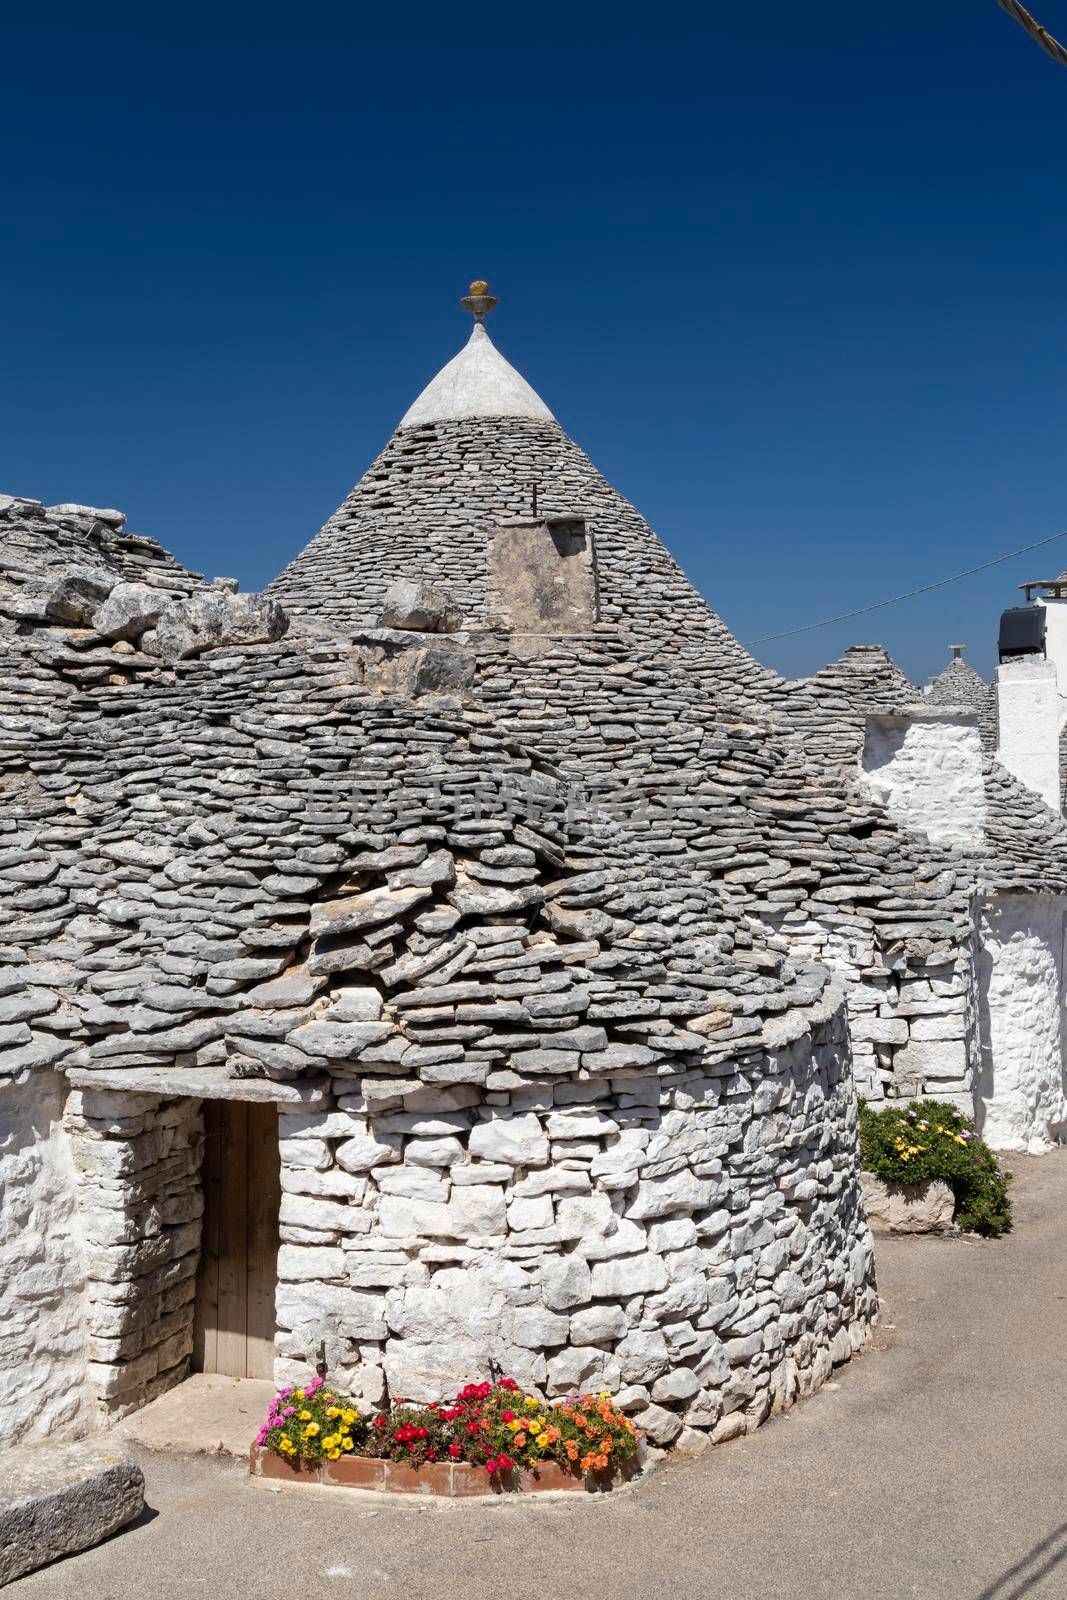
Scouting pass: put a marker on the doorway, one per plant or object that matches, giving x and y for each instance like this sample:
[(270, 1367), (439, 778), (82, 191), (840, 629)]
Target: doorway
[(234, 1326)]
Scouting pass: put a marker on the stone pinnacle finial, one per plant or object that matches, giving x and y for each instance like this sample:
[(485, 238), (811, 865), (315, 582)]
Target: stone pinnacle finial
[(957, 651), (478, 301)]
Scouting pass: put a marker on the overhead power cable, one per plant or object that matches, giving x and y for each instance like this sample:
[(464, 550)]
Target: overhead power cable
[(939, 583), (1049, 45)]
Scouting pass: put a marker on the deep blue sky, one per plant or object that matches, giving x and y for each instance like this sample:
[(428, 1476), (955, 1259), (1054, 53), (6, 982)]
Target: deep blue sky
[(793, 275)]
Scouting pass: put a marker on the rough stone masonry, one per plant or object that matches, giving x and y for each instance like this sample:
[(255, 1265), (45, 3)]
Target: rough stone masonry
[(560, 932)]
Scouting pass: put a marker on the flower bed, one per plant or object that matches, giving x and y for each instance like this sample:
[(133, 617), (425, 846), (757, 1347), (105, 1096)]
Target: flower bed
[(929, 1139), (491, 1438)]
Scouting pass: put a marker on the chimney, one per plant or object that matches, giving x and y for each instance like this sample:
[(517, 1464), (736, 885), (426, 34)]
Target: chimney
[(1032, 645), (924, 763)]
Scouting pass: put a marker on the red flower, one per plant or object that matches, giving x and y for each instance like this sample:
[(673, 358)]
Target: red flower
[(507, 1416), (508, 1383), (455, 1452)]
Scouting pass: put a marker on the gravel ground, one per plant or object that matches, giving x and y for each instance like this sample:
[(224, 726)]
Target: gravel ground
[(934, 1466)]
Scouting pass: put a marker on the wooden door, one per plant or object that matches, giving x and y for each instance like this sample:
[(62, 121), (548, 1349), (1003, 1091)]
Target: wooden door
[(234, 1330)]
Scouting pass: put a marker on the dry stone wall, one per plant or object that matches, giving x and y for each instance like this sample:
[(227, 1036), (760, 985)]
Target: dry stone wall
[(44, 1385), (691, 1240), (137, 1159)]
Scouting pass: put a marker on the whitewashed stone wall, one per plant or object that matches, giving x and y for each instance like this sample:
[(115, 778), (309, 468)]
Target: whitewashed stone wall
[(925, 766), (43, 1373), (913, 1027), (140, 1202), (1028, 721), (694, 1242), (1022, 1101)]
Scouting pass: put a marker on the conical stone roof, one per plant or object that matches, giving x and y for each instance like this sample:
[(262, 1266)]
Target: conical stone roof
[(471, 451)]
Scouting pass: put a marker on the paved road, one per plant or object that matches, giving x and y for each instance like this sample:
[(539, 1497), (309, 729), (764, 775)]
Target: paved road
[(935, 1467)]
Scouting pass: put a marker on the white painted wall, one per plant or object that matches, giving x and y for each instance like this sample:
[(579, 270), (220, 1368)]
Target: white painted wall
[(1056, 645), (1022, 1095), (925, 765), (43, 1383), (1029, 717)]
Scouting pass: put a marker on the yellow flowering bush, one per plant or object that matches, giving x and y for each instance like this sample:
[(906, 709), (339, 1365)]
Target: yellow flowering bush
[(310, 1424), (927, 1139)]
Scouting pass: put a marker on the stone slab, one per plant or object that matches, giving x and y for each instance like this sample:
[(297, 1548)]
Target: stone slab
[(58, 1499), (208, 1414), (199, 1083)]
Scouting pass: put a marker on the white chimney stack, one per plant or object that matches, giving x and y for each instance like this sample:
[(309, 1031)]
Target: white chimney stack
[(1030, 706)]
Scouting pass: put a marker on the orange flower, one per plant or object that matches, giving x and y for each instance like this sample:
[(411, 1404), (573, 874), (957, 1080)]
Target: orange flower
[(572, 1450), (550, 1435), (520, 1440), (601, 1462)]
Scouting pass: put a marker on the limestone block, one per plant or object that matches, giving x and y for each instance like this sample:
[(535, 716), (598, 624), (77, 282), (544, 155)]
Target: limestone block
[(583, 1216), (129, 611), (681, 1191), (526, 1214), (932, 1059), (537, 1328), (566, 1282), (366, 1150), (479, 1209), (58, 1499), (213, 618), (297, 1263), (330, 1308), (629, 1275), (422, 607), (643, 1355), (580, 1368), (439, 1152), (517, 1140), (598, 1324), (907, 1207), (658, 1424)]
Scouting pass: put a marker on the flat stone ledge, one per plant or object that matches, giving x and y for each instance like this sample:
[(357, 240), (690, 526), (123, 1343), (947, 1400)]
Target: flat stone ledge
[(56, 1500), (447, 1480), (198, 1083)]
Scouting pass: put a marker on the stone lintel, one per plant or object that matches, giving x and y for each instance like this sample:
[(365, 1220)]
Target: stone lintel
[(198, 1083)]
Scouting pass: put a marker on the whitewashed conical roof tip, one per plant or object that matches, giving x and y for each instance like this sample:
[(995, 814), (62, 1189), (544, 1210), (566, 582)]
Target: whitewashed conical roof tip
[(477, 382)]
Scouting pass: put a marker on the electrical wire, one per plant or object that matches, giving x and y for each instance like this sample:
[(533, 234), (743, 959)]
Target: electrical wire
[(939, 583), (1049, 45)]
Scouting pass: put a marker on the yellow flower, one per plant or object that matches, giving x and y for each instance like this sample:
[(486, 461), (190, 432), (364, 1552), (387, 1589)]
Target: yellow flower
[(305, 1416), (333, 1411), (298, 1394), (346, 1444), (532, 1403), (513, 1426), (535, 1426), (349, 1416), (311, 1430), (332, 1455)]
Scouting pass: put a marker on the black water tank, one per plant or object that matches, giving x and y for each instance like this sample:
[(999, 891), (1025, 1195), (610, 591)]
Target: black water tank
[(1022, 632)]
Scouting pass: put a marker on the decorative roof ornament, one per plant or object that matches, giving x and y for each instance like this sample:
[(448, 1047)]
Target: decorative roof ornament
[(957, 651), (477, 382), (478, 301)]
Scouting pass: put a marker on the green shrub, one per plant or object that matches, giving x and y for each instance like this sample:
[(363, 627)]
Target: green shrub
[(929, 1139)]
